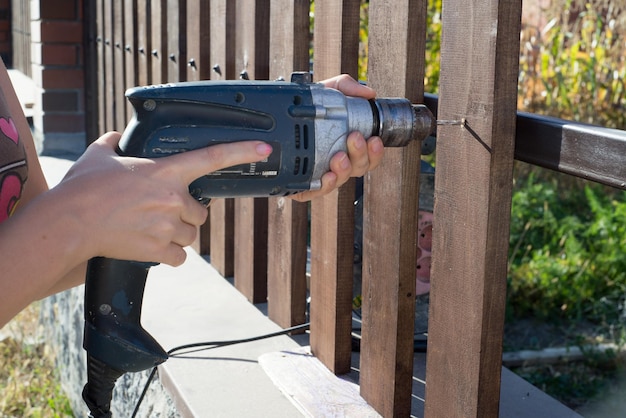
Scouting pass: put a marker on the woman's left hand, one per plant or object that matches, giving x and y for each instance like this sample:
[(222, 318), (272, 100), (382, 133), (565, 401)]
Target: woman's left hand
[(362, 156)]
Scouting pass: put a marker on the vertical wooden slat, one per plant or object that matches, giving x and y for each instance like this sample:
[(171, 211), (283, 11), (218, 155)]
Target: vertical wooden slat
[(144, 42), (288, 220), (176, 40), (109, 67), (91, 71), (158, 35), (222, 52), (251, 58), (396, 47), (130, 50), (222, 49), (199, 68), (478, 82), (101, 76), (119, 66), (336, 32), (198, 40)]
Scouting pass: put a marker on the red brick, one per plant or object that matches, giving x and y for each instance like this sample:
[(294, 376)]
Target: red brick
[(61, 101), (61, 32), (55, 78), (58, 9), (63, 122), (59, 54)]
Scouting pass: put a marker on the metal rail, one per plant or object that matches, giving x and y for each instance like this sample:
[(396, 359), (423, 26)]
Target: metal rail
[(587, 151)]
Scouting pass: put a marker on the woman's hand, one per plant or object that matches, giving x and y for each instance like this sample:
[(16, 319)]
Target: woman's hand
[(362, 155), (140, 208)]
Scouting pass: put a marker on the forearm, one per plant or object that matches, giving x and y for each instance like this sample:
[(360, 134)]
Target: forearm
[(42, 246), (73, 278)]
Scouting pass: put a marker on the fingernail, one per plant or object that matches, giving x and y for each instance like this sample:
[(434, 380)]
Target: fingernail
[(377, 146), (264, 149), (359, 143), (345, 162)]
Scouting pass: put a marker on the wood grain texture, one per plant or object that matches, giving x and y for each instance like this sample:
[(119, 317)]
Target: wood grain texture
[(222, 236), (288, 220), (396, 45), (144, 43), (176, 54), (250, 263), (130, 50), (109, 65), (119, 100), (335, 48), (198, 40), (252, 45), (312, 387), (101, 77), (473, 184), (222, 52), (158, 35)]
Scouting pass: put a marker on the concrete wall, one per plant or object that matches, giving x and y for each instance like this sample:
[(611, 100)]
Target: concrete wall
[(62, 318), (62, 325)]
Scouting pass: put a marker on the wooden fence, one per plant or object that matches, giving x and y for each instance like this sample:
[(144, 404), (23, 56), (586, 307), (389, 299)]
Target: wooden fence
[(138, 42)]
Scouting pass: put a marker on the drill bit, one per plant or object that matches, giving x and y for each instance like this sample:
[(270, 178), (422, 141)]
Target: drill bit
[(451, 122)]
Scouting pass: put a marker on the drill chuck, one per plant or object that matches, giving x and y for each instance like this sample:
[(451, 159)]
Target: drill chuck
[(400, 122)]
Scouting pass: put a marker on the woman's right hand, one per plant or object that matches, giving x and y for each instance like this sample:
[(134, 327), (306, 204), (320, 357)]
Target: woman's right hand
[(139, 208)]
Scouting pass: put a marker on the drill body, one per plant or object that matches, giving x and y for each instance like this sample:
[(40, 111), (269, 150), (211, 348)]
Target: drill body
[(304, 122)]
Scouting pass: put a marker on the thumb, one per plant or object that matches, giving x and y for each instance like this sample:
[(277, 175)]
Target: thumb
[(193, 164)]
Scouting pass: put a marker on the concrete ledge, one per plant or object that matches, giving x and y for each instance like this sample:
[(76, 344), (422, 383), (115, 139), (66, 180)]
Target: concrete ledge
[(194, 303)]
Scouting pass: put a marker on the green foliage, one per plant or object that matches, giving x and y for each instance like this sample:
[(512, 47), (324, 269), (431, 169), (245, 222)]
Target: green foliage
[(28, 384), (433, 47), (568, 252), (568, 241), (573, 67)]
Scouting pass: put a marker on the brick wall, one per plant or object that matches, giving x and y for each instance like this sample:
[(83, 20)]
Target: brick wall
[(58, 73), (5, 31)]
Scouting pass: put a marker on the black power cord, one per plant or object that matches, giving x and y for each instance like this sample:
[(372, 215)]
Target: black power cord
[(203, 346)]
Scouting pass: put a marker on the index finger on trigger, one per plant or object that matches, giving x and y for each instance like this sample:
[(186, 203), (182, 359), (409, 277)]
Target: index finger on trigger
[(197, 163)]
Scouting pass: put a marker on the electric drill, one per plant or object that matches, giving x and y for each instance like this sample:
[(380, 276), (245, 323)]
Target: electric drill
[(304, 122)]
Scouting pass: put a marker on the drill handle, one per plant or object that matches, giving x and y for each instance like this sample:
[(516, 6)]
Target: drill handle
[(113, 301)]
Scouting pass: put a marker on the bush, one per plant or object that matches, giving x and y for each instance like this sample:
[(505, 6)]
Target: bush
[(567, 258)]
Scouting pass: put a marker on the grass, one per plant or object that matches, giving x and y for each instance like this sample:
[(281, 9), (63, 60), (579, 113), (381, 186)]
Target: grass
[(29, 386)]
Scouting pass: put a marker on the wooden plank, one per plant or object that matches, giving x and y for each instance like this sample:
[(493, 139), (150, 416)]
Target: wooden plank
[(109, 67), (222, 236), (101, 65), (199, 68), (479, 67), (397, 37), (130, 50), (144, 42), (335, 48), (288, 220), (312, 387), (222, 51), (252, 38), (119, 66), (250, 260), (176, 40), (251, 55), (158, 35), (198, 40)]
